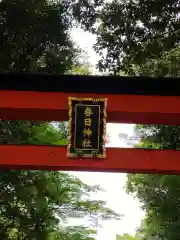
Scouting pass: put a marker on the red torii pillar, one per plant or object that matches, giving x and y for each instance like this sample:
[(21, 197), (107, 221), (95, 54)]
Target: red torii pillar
[(130, 100)]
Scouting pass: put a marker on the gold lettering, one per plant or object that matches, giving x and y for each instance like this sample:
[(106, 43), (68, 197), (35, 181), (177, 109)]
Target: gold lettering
[(86, 143), (88, 112), (87, 122), (87, 132)]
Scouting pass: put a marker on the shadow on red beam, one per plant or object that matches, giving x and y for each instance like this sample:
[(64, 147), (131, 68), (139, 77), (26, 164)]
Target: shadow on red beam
[(112, 117), (48, 106), (118, 160)]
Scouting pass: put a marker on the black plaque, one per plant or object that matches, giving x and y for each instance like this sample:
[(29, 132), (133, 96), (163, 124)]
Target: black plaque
[(87, 127)]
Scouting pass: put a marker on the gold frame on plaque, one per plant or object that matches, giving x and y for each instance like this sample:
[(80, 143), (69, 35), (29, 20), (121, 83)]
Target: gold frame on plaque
[(80, 154)]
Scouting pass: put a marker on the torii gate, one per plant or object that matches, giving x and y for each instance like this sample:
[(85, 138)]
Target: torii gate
[(130, 100)]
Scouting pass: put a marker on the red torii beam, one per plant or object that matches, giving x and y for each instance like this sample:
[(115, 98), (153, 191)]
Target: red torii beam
[(130, 100)]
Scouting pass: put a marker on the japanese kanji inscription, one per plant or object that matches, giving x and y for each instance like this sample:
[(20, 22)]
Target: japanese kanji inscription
[(87, 127)]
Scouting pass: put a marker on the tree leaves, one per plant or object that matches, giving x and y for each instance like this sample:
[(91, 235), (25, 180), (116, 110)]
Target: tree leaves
[(126, 236), (133, 32), (158, 194), (37, 204), (41, 42)]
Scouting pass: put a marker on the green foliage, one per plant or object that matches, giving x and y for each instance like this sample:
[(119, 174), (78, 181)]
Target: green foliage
[(29, 132), (41, 41), (82, 65), (142, 38), (165, 66), (26, 43), (76, 70), (158, 194), (73, 233), (126, 236), (132, 32), (38, 204)]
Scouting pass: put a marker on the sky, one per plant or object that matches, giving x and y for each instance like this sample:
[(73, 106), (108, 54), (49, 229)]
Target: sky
[(112, 183)]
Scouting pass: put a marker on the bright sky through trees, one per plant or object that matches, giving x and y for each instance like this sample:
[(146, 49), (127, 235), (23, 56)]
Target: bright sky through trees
[(113, 184)]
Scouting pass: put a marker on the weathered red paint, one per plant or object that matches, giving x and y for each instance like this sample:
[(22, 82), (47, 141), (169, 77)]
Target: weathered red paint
[(29, 105), (118, 159)]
